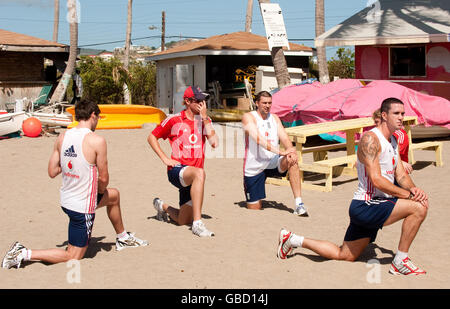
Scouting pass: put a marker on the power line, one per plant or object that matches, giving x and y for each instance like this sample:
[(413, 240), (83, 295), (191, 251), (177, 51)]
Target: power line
[(143, 38)]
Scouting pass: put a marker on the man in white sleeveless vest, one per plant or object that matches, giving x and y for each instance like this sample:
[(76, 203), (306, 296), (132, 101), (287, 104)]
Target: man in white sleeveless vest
[(80, 156), (377, 202), (263, 156)]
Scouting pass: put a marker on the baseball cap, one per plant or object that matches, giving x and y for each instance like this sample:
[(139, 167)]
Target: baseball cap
[(194, 92)]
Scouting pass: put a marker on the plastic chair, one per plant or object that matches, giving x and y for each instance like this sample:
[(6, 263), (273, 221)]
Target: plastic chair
[(43, 97)]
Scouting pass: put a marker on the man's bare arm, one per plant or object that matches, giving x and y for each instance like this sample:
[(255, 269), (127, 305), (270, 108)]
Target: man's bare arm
[(402, 177), (368, 153), (405, 181), (153, 142), (54, 166), (250, 128), (99, 144), (285, 141)]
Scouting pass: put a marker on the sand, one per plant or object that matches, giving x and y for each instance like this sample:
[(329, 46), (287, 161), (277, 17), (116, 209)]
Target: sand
[(242, 255)]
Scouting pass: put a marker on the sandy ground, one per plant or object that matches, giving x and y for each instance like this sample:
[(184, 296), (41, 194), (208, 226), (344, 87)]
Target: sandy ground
[(243, 253)]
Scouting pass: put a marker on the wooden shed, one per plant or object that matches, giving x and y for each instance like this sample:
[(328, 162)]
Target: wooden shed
[(221, 60), (26, 64)]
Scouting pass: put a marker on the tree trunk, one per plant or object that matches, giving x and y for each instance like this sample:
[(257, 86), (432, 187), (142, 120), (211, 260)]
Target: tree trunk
[(60, 91), (248, 17), (279, 62), (321, 50), (56, 21), (126, 92)]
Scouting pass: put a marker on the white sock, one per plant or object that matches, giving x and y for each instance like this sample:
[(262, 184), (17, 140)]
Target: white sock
[(122, 235), (26, 254), (195, 223), (400, 256), (297, 241), (298, 201)]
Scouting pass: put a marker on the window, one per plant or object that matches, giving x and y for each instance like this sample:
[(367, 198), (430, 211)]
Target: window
[(407, 61)]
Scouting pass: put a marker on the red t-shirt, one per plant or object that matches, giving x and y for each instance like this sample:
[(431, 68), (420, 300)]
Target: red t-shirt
[(186, 137), (403, 144)]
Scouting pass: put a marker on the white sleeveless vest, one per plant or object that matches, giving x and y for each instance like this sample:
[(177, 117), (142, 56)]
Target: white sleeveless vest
[(388, 163), (79, 177), (256, 157)]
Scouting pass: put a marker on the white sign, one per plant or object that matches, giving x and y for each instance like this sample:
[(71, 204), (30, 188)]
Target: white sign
[(274, 24)]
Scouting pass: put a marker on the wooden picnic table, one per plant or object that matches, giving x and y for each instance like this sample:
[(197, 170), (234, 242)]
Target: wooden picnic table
[(322, 164)]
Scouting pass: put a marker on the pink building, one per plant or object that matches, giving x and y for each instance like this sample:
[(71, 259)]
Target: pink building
[(407, 42)]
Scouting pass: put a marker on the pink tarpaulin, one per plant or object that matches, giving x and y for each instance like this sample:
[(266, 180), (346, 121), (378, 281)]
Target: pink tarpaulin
[(349, 98)]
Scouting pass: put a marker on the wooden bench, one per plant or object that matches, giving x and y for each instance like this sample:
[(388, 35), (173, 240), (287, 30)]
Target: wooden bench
[(330, 168), (431, 145), (332, 164), (320, 152), (322, 165)]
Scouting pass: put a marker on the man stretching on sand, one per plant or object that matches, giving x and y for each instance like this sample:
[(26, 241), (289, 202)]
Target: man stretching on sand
[(377, 202), (187, 132), (263, 157), (80, 155)]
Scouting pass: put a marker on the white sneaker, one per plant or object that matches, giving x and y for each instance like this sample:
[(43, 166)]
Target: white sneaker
[(284, 244), (200, 229), (129, 242), (13, 258), (161, 215), (405, 267), (301, 210)]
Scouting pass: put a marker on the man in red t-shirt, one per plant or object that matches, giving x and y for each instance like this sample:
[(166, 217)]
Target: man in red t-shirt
[(187, 132)]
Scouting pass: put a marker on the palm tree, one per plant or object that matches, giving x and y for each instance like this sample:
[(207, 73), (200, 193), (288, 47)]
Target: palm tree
[(248, 17), (60, 91), (279, 62), (56, 21), (321, 51), (126, 92)]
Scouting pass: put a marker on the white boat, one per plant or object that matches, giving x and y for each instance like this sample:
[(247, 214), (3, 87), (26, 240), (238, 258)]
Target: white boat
[(53, 119), (11, 122)]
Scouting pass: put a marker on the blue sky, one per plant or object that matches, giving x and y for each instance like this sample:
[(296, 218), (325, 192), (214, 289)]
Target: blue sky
[(105, 20)]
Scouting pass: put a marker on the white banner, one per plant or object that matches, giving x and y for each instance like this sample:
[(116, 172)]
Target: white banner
[(274, 24)]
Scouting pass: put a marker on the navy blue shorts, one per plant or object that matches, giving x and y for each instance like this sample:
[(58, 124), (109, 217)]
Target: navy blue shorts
[(174, 178), (99, 197), (367, 217), (255, 186), (80, 227)]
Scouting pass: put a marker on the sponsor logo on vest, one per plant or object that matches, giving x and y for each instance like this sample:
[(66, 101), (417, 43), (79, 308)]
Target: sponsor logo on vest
[(70, 152), (71, 175)]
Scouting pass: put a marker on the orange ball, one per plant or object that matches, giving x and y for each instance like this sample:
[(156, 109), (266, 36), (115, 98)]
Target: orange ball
[(32, 127)]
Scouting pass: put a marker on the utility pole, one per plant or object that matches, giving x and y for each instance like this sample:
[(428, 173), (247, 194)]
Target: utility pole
[(163, 31), (248, 17), (56, 21), (126, 59), (279, 62), (126, 92)]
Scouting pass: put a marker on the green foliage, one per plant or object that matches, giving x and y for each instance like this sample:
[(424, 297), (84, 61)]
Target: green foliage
[(103, 81), (344, 65), (142, 83)]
